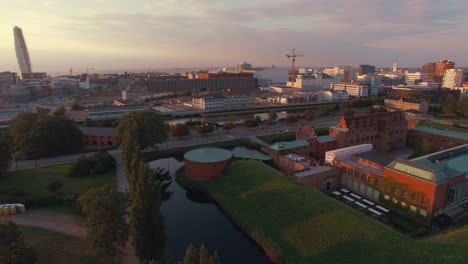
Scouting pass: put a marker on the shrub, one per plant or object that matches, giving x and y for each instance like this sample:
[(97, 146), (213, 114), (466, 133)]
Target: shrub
[(179, 130), (103, 162), (81, 167), (55, 185)]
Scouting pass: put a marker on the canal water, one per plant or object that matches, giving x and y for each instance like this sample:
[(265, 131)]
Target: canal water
[(191, 218)]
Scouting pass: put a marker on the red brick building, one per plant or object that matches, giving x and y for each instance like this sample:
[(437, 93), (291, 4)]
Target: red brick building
[(441, 139), (385, 131), (440, 68), (206, 163), (99, 136)]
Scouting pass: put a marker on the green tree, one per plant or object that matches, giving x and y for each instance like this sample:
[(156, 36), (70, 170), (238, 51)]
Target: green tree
[(37, 135), (105, 211), (449, 107), (60, 111), (272, 115), (76, 106), (13, 249), (179, 130), (5, 154), (146, 221), (464, 107)]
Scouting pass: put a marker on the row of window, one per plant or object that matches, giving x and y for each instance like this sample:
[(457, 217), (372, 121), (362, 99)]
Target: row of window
[(360, 188), (403, 204), (412, 196)]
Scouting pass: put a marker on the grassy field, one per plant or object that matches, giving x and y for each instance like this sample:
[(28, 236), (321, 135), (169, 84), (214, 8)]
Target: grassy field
[(305, 226), (35, 181), (53, 247)]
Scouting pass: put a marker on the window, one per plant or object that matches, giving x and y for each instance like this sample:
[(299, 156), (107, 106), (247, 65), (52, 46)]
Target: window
[(451, 195), (425, 201), (404, 194), (414, 197), (350, 172)]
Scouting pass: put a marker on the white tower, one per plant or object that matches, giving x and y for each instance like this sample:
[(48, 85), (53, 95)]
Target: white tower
[(21, 51)]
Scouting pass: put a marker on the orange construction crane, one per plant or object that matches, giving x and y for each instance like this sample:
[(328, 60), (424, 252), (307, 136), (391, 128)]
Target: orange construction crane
[(292, 75)]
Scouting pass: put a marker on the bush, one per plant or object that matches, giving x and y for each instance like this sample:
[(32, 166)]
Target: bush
[(99, 163), (179, 130), (250, 123), (81, 167), (55, 185)]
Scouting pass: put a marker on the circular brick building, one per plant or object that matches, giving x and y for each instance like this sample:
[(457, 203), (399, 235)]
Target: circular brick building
[(206, 163)]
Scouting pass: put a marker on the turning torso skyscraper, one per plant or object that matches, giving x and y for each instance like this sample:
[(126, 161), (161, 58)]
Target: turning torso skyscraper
[(21, 51)]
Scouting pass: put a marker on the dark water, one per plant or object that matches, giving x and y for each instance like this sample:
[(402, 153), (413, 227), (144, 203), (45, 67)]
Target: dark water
[(192, 218)]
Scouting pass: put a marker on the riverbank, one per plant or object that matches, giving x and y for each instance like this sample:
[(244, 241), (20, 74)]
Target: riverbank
[(294, 224)]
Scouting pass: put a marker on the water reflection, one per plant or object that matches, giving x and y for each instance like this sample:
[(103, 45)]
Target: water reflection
[(192, 218)]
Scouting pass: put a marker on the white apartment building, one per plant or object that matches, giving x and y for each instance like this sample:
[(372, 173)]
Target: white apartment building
[(313, 81), (414, 78), (222, 101), (331, 96), (453, 78), (354, 90)]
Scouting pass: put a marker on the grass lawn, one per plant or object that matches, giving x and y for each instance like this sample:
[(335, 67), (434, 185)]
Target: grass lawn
[(53, 247), (306, 226), (34, 181)]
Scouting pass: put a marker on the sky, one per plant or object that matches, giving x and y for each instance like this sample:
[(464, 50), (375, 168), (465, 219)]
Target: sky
[(148, 34)]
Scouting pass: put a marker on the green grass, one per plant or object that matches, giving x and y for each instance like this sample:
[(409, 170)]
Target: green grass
[(34, 181), (305, 226), (53, 247)]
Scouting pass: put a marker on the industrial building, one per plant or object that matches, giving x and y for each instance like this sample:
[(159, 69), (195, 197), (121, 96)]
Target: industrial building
[(206, 163)]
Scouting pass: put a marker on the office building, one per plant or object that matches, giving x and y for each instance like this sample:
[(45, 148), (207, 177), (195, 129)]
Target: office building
[(312, 81), (385, 131), (341, 73), (428, 69), (7, 79), (332, 96), (453, 78), (355, 90), (22, 54), (440, 68), (404, 104), (366, 69), (415, 78), (220, 101)]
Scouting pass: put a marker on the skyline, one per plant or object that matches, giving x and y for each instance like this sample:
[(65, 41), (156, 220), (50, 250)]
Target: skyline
[(133, 34)]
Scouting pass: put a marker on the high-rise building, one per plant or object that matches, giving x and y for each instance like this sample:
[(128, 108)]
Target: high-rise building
[(394, 67), (453, 78), (366, 69), (440, 68), (428, 69), (21, 51)]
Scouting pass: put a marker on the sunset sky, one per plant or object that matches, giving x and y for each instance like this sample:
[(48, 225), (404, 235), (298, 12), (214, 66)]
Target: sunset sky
[(123, 34)]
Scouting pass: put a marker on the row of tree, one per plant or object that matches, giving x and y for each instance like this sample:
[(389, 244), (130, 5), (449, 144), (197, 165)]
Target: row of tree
[(452, 107)]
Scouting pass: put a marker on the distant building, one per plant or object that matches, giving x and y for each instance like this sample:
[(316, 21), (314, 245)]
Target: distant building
[(419, 105), (453, 78), (414, 78), (339, 95), (220, 101), (15, 94), (84, 82), (428, 69), (7, 79), (99, 136), (115, 112), (33, 75), (353, 89), (395, 67), (341, 73), (431, 95), (390, 80), (64, 85), (440, 68), (385, 131), (313, 81), (366, 69), (22, 54), (244, 66)]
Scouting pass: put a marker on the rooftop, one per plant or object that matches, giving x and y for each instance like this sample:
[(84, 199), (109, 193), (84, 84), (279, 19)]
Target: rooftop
[(244, 153), (98, 131), (208, 155), (362, 167), (442, 132), (325, 139), (312, 171), (436, 167), (340, 129), (380, 159), (289, 145)]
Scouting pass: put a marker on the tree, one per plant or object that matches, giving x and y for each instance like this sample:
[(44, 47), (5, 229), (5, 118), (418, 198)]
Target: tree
[(464, 107), (105, 211), (449, 107), (76, 106), (179, 130), (42, 111), (348, 112), (309, 116), (191, 255), (202, 257), (146, 221), (37, 135), (13, 249), (5, 154), (272, 115), (143, 129), (60, 111)]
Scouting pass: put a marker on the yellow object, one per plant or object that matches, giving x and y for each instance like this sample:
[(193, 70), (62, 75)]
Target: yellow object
[(12, 209), (6, 210)]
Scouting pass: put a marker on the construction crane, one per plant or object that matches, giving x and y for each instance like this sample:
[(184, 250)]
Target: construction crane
[(292, 76), (87, 70)]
